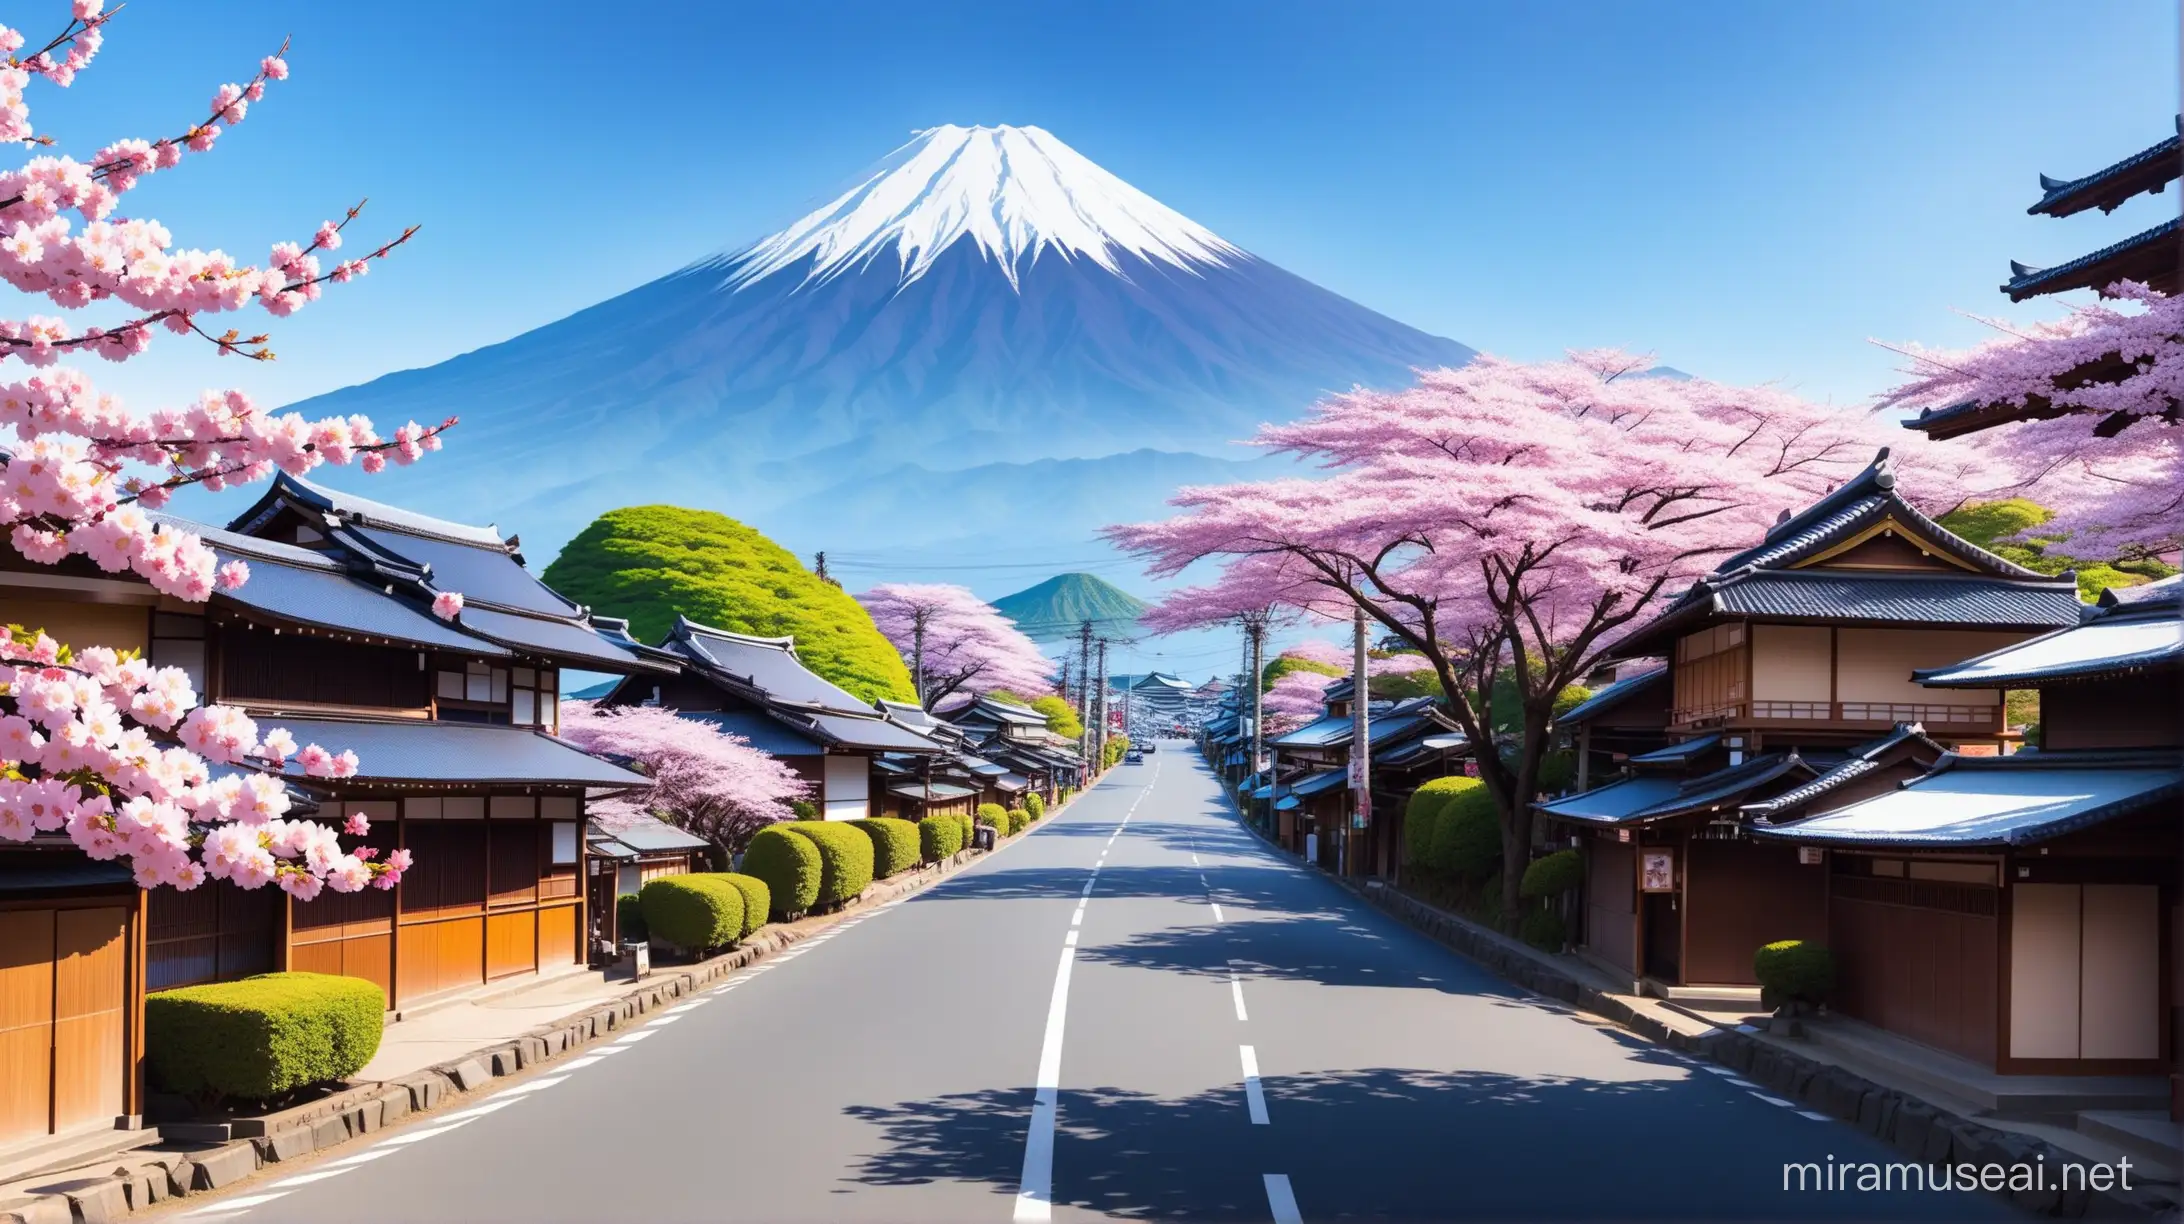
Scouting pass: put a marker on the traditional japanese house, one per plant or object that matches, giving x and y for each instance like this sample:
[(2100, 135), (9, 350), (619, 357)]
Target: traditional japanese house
[(1627, 715), (1790, 660), (1017, 738), (332, 639), (627, 850), (2022, 911), (1311, 791), (757, 688)]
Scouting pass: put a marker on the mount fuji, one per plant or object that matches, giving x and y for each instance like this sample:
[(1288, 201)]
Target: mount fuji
[(988, 343)]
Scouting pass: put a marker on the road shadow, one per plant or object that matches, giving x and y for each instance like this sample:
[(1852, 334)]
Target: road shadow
[(1396, 1144)]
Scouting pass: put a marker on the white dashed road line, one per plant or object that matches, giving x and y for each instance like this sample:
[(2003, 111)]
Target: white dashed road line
[(1281, 1200), (1254, 1094), (1236, 991)]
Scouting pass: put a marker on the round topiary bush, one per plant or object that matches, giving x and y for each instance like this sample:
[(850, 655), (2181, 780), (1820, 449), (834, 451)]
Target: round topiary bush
[(939, 837), (629, 918), (895, 845), (261, 1038), (757, 900), (1794, 971), (694, 912), (1544, 929), (1019, 820), (1552, 875), (970, 827), (1466, 832), (845, 858), (789, 865), (1034, 804)]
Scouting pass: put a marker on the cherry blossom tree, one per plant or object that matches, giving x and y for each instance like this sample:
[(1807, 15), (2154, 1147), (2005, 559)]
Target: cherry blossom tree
[(2087, 409), (1509, 522), (704, 780), (1294, 699), (956, 643), (93, 741)]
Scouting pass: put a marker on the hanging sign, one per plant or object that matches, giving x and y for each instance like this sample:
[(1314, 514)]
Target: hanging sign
[(1657, 871), (1471, 768)]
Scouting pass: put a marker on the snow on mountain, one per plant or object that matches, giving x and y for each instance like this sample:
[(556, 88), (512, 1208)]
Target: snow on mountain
[(1015, 192), (986, 296)]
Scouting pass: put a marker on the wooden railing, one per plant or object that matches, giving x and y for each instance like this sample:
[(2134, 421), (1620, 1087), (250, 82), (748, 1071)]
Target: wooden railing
[(1930, 714)]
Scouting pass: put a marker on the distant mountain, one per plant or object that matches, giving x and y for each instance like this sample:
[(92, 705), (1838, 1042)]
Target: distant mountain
[(1056, 608), (986, 296)]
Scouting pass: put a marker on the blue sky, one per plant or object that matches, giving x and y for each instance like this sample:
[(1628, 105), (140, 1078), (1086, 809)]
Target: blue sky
[(1749, 190)]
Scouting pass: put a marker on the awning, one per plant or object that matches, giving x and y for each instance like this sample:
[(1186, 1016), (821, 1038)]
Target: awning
[(390, 752), (1287, 803), (644, 833), (1326, 731), (1012, 783), (1316, 783), (1996, 801), (938, 792), (980, 766), (1614, 802), (1677, 754)]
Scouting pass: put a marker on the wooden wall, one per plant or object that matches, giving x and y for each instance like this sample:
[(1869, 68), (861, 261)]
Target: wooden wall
[(1919, 958), (1739, 895), (69, 1014), (2126, 713), (1611, 901)]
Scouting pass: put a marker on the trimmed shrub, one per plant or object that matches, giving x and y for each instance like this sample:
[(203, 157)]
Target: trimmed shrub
[(895, 845), (789, 865), (1420, 817), (804, 809), (1034, 804), (263, 1037), (996, 815), (693, 912), (939, 837), (1552, 876), (1019, 820), (757, 900), (845, 858), (1544, 929), (1466, 833), (1793, 971), (970, 827), (629, 918)]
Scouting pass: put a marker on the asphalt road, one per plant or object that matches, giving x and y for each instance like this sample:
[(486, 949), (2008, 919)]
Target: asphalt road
[(1211, 1032)]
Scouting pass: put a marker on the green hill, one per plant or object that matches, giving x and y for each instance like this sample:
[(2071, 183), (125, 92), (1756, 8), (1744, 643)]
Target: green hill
[(648, 563), (1055, 608)]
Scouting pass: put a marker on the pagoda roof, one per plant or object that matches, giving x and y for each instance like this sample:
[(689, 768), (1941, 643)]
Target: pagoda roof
[(1784, 577), (2148, 170), (2150, 257)]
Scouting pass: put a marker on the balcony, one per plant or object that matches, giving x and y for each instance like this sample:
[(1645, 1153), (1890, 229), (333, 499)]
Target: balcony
[(1856, 715)]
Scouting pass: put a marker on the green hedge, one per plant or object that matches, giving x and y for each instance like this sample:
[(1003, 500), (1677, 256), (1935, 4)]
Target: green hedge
[(994, 814), (970, 827), (757, 900), (789, 865), (1422, 815), (1466, 833), (1553, 875), (263, 1037), (1544, 929), (1793, 971), (895, 844), (939, 837), (1019, 820), (694, 912), (1034, 804), (629, 918), (845, 858)]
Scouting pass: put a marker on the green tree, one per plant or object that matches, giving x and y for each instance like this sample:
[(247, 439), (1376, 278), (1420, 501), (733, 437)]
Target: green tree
[(1060, 715), (2005, 528), (648, 563)]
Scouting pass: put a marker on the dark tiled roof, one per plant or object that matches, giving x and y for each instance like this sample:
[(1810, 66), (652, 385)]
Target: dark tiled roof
[(1863, 759), (2147, 170), (483, 573), (2125, 633), (1322, 732), (1678, 753), (768, 665), (1612, 696), (1723, 785), (418, 751), (768, 735), (1942, 599), (1613, 803), (571, 641), (2134, 255), (1862, 501), (365, 510), (938, 792), (643, 832), (867, 733)]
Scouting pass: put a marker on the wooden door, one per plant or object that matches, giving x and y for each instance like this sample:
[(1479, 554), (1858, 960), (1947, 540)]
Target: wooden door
[(26, 1024), (63, 1019)]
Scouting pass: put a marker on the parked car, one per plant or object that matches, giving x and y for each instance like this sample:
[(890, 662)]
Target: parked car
[(1150, 746), (1133, 757)]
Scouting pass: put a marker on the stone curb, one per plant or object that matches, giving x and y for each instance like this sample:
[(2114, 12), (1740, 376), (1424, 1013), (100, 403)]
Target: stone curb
[(241, 1148), (1916, 1128)]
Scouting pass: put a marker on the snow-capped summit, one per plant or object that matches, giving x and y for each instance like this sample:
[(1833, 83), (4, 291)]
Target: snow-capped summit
[(989, 338), (1017, 192)]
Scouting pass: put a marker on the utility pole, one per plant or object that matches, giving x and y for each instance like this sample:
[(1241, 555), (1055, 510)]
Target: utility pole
[(1255, 630), (1065, 679), (1361, 740), (1084, 693), (919, 614), (819, 570), (1099, 742)]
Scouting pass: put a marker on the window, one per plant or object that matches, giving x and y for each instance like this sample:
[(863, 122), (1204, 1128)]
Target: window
[(179, 641), (478, 682), (533, 697), (564, 843)]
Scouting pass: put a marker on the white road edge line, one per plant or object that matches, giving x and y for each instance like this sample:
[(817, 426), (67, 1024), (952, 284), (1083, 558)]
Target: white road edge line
[(305, 1179), (248, 1200), (1071, 941), (1254, 1094), (1281, 1200), (360, 1158), (1817, 1117), (1773, 1100), (1035, 1188)]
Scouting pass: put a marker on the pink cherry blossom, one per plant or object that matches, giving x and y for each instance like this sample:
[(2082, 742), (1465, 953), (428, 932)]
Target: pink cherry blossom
[(704, 780), (955, 643), (447, 605), (357, 825)]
